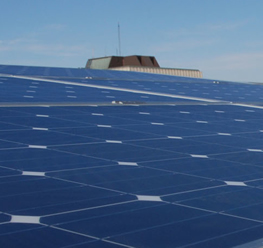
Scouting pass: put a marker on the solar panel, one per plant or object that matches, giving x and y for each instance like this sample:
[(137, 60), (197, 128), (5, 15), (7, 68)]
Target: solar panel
[(157, 164)]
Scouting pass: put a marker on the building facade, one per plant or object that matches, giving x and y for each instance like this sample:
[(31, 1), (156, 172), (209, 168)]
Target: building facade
[(146, 64)]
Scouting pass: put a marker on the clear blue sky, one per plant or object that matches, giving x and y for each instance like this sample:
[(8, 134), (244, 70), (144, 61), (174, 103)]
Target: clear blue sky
[(222, 38)]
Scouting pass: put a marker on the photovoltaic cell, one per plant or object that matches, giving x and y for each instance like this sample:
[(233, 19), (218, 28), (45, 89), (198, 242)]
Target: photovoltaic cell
[(97, 158)]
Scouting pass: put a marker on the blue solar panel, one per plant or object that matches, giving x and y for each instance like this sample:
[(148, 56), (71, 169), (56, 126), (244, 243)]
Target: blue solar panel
[(93, 158)]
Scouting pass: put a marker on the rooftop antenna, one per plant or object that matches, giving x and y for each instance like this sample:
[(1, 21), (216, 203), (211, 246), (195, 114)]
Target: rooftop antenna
[(119, 38)]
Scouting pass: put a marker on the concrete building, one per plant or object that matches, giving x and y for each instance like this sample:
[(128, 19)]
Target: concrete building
[(147, 64)]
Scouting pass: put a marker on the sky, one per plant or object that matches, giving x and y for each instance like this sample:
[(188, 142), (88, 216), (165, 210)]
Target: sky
[(222, 38)]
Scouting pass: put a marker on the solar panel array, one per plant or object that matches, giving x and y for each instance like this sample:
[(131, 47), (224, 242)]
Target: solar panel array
[(120, 159)]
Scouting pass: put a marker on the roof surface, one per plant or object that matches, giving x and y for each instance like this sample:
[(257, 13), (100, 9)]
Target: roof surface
[(120, 61), (121, 159)]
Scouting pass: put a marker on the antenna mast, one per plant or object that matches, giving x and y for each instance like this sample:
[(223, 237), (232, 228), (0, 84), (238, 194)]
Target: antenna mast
[(119, 38)]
